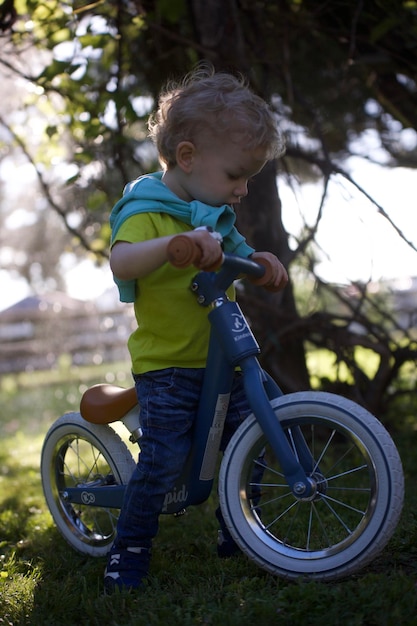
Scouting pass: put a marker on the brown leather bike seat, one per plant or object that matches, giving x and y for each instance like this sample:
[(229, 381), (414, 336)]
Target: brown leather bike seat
[(104, 404)]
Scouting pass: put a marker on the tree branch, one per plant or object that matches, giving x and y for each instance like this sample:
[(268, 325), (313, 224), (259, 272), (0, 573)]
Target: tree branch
[(47, 194), (329, 167)]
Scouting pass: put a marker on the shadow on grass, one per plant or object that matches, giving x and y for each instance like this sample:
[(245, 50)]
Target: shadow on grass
[(49, 583), (43, 582)]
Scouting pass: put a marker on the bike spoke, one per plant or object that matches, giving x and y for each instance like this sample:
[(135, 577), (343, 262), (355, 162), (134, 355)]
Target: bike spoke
[(80, 462), (350, 471), (342, 495), (327, 499)]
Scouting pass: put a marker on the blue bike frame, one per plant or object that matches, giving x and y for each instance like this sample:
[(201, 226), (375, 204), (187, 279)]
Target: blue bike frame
[(231, 345)]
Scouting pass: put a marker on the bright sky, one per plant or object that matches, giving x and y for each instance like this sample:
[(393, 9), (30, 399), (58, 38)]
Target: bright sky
[(359, 243)]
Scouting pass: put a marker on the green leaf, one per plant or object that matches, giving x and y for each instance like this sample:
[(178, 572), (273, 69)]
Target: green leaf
[(55, 68), (51, 130), (172, 10), (95, 41), (63, 34), (383, 28)]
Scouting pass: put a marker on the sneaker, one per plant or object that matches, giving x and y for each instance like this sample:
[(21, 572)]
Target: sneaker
[(226, 545), (126, 569)]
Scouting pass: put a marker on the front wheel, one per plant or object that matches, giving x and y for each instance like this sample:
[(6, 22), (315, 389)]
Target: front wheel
[(356, 504), (76, 453)]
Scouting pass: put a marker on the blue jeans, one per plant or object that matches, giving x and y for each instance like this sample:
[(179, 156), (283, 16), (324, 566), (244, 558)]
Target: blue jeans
[(168, 400)]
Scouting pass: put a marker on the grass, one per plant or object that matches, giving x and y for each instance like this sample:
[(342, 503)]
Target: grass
[(44, 582)]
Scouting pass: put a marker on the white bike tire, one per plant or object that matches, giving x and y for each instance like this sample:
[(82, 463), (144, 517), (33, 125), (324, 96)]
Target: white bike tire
[(76, 450), (384, 495)]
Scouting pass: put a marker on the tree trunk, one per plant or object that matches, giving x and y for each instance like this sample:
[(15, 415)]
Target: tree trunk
[(272, 315), (218, 31)]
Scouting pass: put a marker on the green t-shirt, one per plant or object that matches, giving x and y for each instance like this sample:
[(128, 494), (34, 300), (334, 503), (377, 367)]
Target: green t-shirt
[(173, 329)]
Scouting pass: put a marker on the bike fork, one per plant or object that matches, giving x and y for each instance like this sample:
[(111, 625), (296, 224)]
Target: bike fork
[(254, 380)]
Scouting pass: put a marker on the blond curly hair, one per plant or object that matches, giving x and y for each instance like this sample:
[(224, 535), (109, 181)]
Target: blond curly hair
[(207, 105)]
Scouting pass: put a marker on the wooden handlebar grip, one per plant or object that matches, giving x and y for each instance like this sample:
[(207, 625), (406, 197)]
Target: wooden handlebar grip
[(262, 259), (183, 251)]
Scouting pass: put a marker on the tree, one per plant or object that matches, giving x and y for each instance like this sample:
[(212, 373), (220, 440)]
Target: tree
[(333, 71)]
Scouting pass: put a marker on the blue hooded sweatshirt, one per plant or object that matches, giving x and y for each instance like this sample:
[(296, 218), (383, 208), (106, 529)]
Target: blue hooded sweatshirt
[(148, 194)]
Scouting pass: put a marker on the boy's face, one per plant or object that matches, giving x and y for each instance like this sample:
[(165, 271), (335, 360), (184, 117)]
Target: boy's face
[(219, 174)]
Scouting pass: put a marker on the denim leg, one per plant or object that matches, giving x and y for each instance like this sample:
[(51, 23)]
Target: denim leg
[(168, 400)]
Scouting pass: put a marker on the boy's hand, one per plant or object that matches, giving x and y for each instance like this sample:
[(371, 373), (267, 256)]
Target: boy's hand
[(279, 276), (211, 251)]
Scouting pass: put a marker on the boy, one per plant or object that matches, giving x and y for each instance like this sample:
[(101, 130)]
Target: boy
[(212, 134)]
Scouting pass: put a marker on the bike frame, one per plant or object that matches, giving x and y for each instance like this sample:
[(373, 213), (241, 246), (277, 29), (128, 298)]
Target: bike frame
[(231, 345)]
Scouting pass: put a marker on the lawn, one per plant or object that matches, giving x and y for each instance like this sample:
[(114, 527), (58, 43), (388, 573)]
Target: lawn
[(44, 582)]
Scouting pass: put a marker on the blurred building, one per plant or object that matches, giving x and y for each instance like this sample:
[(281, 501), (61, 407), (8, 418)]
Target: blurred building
[(38, 330)]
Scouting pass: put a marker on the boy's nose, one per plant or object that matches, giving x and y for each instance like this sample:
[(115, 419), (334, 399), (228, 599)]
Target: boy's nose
[(241, 190)]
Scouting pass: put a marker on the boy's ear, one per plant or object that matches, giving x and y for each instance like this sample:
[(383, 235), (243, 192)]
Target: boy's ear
[(185, 155)]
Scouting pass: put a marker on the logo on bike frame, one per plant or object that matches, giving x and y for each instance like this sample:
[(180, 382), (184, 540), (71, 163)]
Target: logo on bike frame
[(176, 496), (87, 497), (239, 323)]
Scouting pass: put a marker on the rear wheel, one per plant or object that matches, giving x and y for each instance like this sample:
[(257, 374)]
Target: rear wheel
[(358, 496), (76, 453)]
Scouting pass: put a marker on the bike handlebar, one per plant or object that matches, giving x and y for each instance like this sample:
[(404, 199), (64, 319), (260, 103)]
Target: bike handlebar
[(183, 252)]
